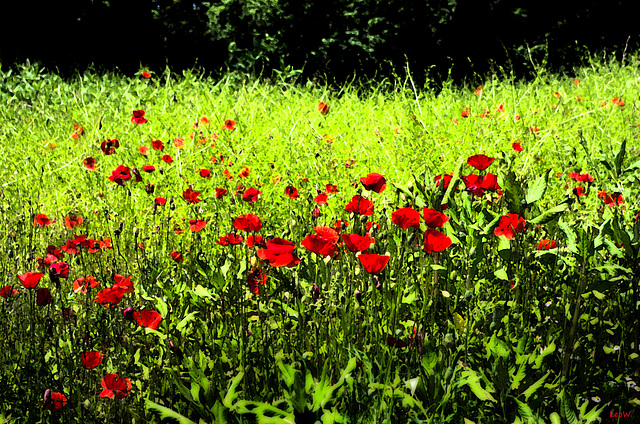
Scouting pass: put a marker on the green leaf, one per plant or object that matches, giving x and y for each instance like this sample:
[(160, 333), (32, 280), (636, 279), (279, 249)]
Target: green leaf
[(550, 215), (566, 408), (472, 380), (501, 274), (571, 242), (555, 418), (165, 412), (536, 191), (231, 393), (526, 414), (185, 320), (202, 292), (620, 157), (514, 194), (547, 351), (535, 386), (455, 178)]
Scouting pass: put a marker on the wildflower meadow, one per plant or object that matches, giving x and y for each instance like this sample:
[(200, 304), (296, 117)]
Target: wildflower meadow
[(179, 248)]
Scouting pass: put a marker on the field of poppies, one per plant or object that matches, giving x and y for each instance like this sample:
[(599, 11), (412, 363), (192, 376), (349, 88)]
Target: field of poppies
[(178, 248)]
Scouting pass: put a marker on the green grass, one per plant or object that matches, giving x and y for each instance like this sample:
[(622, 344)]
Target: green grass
[(490, 329)]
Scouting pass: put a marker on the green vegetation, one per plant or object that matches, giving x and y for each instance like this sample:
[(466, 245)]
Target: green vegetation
[(522, 306)]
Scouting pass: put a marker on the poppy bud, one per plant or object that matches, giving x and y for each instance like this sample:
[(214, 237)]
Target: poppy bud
[(358, 296), (175, 349), (128, 313), (47, 398)]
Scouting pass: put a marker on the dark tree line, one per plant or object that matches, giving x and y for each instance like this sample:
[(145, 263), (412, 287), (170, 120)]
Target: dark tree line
[(338, 38)]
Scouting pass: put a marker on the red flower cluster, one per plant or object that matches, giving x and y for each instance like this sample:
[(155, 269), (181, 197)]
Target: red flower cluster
[(359, 205), (120, 175), (279, 252)]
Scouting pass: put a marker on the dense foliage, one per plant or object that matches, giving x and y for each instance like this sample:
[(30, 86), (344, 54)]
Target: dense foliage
[(339, 38)]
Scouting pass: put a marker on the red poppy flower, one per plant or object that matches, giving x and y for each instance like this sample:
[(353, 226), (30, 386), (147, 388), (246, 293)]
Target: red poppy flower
[(90, 360), (433, 218), (59, 269), (611, 199), (191, 196), (109, 147), (319, 245), (205, 173), (251, 195), (323, 108), (509, 225), (517, 146), (546, 244), (72, 221), (617, 101), (167, 158), (77, 132), (7, 291), (360, 205), (447, 179), (406, 217), (248, 222), (465, 113), (197, 224), (373, 263), (255, 278), (244, 173), (230, 239), (220, 192), (148, 318), (229, 124), (340, 225), (374, 182), (146, 74), (178, 143), (41, 220), (291, 191), (54, 401), (110, 296), (115, 386), (480, 162), (477, 184), (579, 191), (160, 201), (157, 145), (138, 117), (356, 242), (80, 285), (435, 241), (321, 199), (120, 175), (144, 150), (279, 252), (43, 297), (177, 256), (123, 282), (90, 163)]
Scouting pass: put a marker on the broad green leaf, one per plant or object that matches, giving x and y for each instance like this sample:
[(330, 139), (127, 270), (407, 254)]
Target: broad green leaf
[(501, 274), (549, 215), (547, 351), (514, 194), (555, 418), (536, 191), (459, 322), (165, 412), (471, 379), (526, 414), (183, 322), (202, 292), (231, 393), (571, 242), (620, 157), (567, 408), (535, 386), (519, 376)]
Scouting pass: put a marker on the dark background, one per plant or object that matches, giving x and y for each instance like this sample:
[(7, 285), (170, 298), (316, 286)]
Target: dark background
[(334, 39)]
